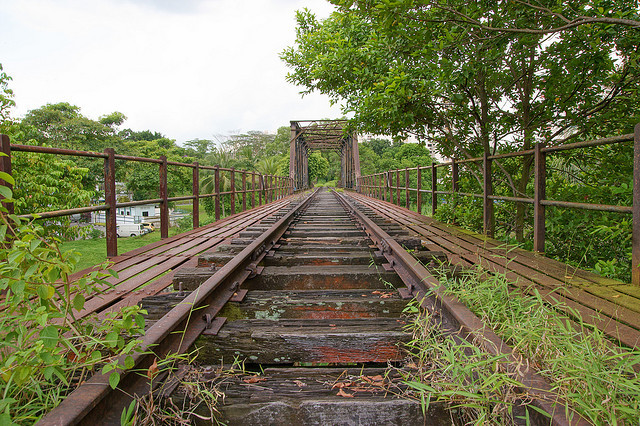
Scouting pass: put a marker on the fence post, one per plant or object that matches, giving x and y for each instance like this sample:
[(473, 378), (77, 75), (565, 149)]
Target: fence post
[(407, 203), (539, 194), (635, 250), (216, 190), (454, 186), (5, 167), (398, 187), (196, 193), (164, 204), (111, 233), (260, 188), (389, 184), (487, 203), (253, 190), (244, 190), (232, 178), (419, 191), (434, 189)]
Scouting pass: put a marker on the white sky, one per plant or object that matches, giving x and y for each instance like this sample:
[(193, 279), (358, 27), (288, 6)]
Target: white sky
[(185, 68)]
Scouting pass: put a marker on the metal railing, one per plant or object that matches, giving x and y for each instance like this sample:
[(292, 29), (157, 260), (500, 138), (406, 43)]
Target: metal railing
[(381, 186), (266, 188)]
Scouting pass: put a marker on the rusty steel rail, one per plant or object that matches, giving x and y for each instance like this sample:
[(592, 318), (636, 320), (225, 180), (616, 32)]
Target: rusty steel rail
[(94, 402), (422, 285)]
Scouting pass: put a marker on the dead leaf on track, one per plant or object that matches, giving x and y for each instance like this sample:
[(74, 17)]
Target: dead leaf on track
[(153, 369), (341, 392), (254, 379)]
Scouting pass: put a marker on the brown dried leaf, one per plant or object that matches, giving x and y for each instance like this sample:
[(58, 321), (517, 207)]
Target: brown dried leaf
[(299, 383), (153, 369), (341, 392), (254, 379)]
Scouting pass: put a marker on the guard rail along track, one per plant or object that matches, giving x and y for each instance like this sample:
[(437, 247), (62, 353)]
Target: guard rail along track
[(308, 298)]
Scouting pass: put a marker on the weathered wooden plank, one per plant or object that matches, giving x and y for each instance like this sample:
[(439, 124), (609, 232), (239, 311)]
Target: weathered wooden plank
[(322, 277), (317, 304), (308, 341), (311, 397)]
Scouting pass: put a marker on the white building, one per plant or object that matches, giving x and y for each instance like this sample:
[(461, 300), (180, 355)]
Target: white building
[(144, 210)]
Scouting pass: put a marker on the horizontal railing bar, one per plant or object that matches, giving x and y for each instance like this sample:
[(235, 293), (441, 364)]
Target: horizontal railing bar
[(514, 199), (588, 144), (67, 212), (138, 203), (588, 206), (137, 159), (58, 151)]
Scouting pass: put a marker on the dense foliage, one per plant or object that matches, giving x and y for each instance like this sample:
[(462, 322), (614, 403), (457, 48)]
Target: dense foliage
[(46, 348), (455, 74)]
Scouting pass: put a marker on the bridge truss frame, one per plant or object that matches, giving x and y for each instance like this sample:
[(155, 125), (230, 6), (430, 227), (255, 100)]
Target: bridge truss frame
[(323, 135)]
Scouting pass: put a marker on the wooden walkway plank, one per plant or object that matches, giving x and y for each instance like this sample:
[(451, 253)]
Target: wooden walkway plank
[(150, 269)]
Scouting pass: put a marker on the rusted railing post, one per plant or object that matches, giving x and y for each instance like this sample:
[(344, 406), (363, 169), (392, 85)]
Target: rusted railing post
[(487, 203), (376, 188), (261, 186), (407, 202), (5, 167), (253, 190), (434, 189), (164, 195), (111, 232), (635, 236), (398, 187), (539, 194), (232, 178), (244, 190), (216, 190), (419, 191), (196, 193), (389, 183), (454, 187)]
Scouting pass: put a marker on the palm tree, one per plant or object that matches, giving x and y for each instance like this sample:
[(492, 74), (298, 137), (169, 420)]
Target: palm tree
[(268, 166), (222, 158)]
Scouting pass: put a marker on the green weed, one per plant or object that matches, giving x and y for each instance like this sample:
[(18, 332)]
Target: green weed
[(595, 376)]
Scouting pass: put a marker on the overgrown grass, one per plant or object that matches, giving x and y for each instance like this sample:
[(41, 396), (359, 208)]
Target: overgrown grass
[(94, 251), (595, 376)]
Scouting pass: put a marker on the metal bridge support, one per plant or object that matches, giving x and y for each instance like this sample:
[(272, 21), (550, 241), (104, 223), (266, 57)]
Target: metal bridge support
[(298, 158), (323, 135)]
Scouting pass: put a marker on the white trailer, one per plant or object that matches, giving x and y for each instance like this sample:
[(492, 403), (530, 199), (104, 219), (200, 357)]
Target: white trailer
[(130, 230)]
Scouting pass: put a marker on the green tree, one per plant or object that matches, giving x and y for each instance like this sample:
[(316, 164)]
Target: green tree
[(470, 91), (6, 96)]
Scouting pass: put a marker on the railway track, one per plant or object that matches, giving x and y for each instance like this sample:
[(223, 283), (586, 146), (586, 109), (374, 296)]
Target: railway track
[(307, 306)]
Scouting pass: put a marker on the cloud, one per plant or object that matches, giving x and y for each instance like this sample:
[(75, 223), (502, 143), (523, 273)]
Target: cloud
[(187, 69)]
